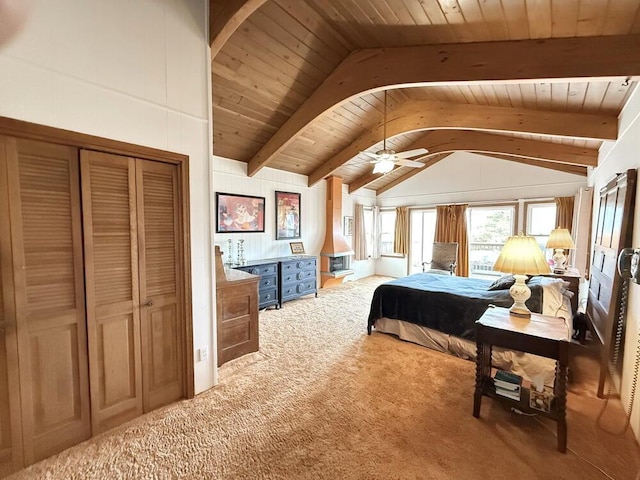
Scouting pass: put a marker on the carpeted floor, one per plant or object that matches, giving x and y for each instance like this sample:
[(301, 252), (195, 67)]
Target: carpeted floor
[(322, 400)]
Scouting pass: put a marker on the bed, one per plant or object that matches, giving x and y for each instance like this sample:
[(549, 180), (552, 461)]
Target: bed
[(439, 312)]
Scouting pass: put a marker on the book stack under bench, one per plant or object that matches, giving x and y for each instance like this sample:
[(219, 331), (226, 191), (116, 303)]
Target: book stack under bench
[(507, 384)]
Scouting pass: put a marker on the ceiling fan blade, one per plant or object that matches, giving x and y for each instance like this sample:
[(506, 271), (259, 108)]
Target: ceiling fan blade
[(412, 153), (409, 163), (375, 156)]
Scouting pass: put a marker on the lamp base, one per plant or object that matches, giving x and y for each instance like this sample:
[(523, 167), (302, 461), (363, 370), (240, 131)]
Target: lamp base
[(559, 261), (520, 293), (517, 313)]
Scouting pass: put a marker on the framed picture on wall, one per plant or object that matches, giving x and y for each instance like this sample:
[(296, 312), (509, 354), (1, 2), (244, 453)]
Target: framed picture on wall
[(287, 215), (239, 213), (347, 228)]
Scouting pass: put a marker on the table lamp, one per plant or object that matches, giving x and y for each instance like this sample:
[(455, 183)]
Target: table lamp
[(521, 256), (559, 239)]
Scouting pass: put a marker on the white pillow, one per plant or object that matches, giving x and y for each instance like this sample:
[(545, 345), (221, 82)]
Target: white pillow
[(554, 300)]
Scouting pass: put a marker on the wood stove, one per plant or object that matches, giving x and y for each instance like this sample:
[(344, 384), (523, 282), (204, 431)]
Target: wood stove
[(335, 256)]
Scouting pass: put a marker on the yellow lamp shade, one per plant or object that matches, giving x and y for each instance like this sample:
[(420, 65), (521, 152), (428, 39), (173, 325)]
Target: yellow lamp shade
[(560, 238), (521, 255)]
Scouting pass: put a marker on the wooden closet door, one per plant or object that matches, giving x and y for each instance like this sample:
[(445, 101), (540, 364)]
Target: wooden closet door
[(11, 457), (160, 288), (46, 237), (111, 273)]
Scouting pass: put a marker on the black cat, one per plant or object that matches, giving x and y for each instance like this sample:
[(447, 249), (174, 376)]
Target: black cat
[(579, 327)]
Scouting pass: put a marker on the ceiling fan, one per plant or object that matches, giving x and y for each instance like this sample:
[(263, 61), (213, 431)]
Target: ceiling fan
[(384, 160)]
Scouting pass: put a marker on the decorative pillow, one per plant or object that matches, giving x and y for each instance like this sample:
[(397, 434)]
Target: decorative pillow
[(503, 283)]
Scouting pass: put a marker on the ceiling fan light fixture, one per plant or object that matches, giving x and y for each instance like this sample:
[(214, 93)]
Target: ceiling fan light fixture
[(383, 166)]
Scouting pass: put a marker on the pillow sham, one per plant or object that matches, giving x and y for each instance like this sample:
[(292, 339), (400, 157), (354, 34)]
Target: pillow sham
[(503, 283)]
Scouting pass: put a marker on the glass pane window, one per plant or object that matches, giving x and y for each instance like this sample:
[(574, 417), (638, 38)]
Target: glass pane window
[(488, 229), (387, 231), (541, 219), (423, 228)]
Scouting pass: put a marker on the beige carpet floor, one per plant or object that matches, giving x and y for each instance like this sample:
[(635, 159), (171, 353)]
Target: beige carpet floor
[(322, 400)]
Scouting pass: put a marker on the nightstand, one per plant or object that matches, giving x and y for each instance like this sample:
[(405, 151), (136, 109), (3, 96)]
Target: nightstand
[(541, 335)]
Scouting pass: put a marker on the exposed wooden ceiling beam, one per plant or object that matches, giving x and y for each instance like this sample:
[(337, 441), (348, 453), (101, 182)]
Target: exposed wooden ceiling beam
[(422, 115), (560, 167), (449, 140), (374, 69), (225, 16)]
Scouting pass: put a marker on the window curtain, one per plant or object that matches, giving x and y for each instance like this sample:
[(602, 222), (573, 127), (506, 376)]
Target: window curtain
[(451, 226), (401, 237), (564, 212), (359, 234), (375, 233)]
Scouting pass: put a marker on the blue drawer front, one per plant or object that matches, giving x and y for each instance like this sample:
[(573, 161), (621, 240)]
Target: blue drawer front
[(267, 269), (268, 297)]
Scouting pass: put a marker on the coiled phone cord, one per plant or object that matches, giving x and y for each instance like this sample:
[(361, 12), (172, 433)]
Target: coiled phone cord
[(614, 362)]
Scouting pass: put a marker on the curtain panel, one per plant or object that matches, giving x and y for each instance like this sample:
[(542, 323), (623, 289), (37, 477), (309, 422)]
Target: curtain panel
[(401, 238), (359, 234), (451, 226), (564, 212)]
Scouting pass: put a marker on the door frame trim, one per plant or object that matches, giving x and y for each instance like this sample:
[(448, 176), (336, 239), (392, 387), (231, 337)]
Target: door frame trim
[(33, 131)]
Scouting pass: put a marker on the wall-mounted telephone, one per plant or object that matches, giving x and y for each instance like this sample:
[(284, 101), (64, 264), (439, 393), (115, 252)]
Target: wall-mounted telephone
[(629, 264)]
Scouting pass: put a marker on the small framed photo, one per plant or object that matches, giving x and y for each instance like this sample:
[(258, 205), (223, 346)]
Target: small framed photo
[(287, 215), (347, 228), (239, 213), (297, 248), (541, 400)]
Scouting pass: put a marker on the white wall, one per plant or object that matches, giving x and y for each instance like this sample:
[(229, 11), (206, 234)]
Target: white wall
[(466, 177), (134, 71), (362, 268), (616, 158), (230, 176)]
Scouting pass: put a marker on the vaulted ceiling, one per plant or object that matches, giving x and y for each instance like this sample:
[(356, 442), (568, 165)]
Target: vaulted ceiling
[(298, 85)]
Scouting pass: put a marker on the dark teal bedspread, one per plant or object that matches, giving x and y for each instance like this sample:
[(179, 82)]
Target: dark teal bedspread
[(446, 303)]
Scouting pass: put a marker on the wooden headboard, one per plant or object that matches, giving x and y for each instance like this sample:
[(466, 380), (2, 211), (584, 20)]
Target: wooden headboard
[(613, 233)]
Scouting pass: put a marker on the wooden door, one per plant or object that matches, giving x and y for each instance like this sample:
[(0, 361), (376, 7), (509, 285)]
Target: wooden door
[(111, 277), (48, 282), (11, 457), (613, 233), (161, 314)]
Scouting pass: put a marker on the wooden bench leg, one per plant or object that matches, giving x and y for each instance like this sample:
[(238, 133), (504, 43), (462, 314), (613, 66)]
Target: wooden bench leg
[(561, 405)]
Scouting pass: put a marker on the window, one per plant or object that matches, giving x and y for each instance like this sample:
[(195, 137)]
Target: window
[(423, 229), (489, 227), (541, 219), (387, 231)]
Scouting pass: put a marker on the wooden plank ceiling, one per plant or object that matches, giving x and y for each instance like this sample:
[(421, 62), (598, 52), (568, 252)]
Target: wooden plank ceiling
[(298, 85)]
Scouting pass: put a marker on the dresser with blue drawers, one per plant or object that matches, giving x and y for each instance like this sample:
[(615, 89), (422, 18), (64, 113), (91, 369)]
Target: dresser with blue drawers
[(284, 278), (268, 285), (297, 278)]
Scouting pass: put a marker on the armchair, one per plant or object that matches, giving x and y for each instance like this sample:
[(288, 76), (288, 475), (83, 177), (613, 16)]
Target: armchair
[(444, 259)]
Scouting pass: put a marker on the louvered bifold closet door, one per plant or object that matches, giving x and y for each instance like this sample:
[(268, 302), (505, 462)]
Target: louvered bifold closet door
[(46, 239), (111, 271), (10, 429), (160, 274)]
